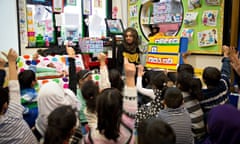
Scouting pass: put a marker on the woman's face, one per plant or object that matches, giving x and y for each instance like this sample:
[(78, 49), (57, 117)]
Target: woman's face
[(129, 37)]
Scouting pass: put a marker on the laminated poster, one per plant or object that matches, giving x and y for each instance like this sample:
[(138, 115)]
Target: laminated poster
[(207, 38)]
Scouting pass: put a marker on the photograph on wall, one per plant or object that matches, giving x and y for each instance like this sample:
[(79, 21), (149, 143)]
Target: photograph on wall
[(209, 17), (207, 38), (213, 2), (190, 18), (188, 33)]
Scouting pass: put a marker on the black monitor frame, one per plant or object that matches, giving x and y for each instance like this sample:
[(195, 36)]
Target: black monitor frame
[(111, 29)]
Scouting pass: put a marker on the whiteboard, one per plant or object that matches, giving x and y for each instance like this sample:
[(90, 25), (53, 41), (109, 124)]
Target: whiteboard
[(8, 26)]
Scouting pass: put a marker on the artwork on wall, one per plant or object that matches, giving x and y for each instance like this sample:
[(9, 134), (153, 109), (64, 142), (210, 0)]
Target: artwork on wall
[(190, 18), (188, 32), (209, 17), (207, 38)]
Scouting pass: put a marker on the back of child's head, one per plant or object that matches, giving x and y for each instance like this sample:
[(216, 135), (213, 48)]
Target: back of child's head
[(61, 123), (90, 91), (185, 68), (109, 111), (155, 131), (172, 77), (4, 99), (187, 83), (159, 80), (116, 79), (173, 98), (83, 75), (146, 78), (26, 79), (211, 76)]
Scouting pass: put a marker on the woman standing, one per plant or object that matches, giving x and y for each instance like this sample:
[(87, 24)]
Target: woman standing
[(129, 48)]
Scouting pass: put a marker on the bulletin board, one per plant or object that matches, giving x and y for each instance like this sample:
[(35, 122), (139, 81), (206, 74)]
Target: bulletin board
[(204, 32)]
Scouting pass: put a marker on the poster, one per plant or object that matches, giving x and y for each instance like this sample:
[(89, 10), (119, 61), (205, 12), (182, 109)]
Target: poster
[(207, 32)]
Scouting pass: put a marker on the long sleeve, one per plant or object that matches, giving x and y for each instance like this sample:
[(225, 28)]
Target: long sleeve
[(226, 67), (130, 100), (144, 91), (104, 78), (119, 60), (14, 91), (72, 75)]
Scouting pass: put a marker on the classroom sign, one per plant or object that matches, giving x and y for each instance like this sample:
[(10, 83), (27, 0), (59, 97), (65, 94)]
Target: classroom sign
[(163, 52)]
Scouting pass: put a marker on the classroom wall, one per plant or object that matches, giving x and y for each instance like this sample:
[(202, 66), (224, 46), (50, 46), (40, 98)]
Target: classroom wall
[(9, 37), (8, 25)]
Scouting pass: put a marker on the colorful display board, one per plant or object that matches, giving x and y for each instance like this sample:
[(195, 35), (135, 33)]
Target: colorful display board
[(163, 52), (203, 25), (201, 21)]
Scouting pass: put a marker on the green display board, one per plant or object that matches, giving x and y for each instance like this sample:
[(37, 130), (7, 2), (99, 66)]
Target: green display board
[(204, 32), (207, 33)]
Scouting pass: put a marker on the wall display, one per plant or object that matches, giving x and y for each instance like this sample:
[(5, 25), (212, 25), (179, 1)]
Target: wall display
[(190, 18), (207, 33), (165, 14), (194, 19), (163, 52)]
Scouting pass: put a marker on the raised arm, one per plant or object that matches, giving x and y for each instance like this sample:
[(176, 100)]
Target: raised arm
[(104, 78), (140, 89), (226, 68), (235, 62), (72, 69), (185, 56), (14, 88), (130, 90)]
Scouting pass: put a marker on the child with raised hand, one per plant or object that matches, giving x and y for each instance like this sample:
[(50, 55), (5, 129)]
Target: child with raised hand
[(218, 86), (151, 109), (13, 128)]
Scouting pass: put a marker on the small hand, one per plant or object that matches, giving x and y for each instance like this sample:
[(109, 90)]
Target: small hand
[(70, 51)]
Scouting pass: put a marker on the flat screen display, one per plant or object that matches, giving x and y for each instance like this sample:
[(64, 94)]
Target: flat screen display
[(114, 26)]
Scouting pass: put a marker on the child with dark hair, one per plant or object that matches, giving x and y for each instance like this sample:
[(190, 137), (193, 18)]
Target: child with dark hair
[(192, 93), (217, 82), (115, 79), (185, 68), (61, 125), (150, 110), (89, 92), (176, 116), (129, 48), (116, 112), (155, 131), (27, 80), (110, 127), (13, 129)]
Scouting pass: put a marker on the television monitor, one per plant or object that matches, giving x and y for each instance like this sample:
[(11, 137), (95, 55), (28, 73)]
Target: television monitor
[(114, 26)]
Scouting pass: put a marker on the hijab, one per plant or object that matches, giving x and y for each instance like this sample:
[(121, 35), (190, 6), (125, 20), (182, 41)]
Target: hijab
[(223, 125)]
